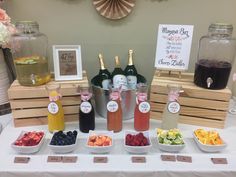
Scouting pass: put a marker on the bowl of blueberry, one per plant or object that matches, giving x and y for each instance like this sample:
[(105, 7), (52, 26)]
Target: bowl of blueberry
[(63, 142)]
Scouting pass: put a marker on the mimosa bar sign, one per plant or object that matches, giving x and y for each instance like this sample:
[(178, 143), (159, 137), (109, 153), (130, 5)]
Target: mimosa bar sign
[(173, 46)]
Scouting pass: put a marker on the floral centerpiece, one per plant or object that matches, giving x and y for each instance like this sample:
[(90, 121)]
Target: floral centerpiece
[(6, 63), (6, 29)]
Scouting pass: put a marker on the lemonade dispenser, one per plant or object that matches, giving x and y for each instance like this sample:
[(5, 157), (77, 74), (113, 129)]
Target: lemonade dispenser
[(29, 49)]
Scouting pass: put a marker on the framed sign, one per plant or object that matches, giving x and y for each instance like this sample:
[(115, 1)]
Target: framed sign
[(67, 62), (173, 47)]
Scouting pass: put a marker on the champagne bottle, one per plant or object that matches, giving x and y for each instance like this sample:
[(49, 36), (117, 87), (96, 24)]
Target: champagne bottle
[(131, 72), (118, 76), (104, 76)]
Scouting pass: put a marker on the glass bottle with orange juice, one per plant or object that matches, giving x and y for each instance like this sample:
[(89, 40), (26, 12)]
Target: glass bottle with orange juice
[(55, 110), (114, 111)]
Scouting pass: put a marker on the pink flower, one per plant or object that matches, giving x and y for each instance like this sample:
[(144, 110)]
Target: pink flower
[(6, 29), (4, 18)]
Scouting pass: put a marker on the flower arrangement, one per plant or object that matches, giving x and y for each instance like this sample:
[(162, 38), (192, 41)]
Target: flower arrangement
[(6, 29)]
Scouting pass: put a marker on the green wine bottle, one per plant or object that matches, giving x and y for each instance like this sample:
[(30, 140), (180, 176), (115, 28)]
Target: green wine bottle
[(131, 72), (118, 76), (104, 76)]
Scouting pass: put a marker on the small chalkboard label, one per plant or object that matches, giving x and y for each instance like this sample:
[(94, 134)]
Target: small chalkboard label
[(170, 158), (100, 160), (138, 159), (69, 159), (219, 160), (187, 159), (54, 159), (22, 160)]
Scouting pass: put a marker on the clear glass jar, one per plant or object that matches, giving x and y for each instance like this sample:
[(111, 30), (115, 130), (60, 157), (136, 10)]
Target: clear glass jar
[(215, 57), (232, 110), (29, 49)]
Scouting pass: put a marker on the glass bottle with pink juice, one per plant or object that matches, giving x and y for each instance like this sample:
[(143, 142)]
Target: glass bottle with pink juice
[(142, 109)]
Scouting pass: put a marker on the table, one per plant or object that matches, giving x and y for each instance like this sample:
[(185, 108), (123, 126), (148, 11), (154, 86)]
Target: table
[(119, 161)]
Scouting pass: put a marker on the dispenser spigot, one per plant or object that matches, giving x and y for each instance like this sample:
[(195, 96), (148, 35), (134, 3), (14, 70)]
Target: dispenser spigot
[(209, 82), (33, 79)]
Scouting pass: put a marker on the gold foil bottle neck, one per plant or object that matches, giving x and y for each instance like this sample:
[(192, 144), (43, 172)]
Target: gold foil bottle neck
[(130, 60), (102, 65), (117, 62)]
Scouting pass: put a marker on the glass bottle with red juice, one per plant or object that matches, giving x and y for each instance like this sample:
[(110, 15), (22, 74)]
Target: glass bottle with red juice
[(114, 111), (142, 109)]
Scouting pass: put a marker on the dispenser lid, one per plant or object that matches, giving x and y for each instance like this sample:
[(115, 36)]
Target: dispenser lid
[(221, 27)]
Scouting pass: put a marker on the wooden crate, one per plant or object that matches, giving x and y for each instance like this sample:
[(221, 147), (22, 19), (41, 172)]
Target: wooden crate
[(199, 106), (29, 104)]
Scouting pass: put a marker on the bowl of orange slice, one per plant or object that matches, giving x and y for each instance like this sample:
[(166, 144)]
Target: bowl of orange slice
[(100, 142), (209, 140)]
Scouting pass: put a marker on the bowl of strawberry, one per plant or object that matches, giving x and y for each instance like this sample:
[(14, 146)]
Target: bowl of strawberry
[(28, 142), (137, 142)]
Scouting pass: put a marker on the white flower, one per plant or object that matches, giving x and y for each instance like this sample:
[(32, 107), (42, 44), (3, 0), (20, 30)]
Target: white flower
[(4, 35)]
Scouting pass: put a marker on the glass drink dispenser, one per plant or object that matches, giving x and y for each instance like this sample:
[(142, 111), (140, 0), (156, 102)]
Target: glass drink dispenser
[(215, 57), (29, 49)]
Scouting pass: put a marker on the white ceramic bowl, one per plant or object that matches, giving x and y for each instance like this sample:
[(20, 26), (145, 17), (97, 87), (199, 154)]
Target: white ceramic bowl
[(27, 149), (0, 128), (100, 149), (209, 148), (170, 148), (62, 149), (138, 149)]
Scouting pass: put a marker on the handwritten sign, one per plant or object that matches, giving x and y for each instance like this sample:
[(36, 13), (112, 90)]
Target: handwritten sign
[(67, 62), (173, 47)]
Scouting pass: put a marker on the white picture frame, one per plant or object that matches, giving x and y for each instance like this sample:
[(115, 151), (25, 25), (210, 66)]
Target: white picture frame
[(67, 62)]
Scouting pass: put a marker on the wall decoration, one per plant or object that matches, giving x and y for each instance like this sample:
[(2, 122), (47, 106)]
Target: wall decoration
[(67, 62), (114, 9)]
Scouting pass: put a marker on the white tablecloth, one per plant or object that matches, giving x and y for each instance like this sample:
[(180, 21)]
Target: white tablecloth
[(119, 161)]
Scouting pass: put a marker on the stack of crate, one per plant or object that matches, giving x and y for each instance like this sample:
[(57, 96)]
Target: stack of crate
[(29, 104), (199, 106)]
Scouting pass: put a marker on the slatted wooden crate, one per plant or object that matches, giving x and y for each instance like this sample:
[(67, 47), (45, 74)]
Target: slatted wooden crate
[(29, 104), (199, 106)]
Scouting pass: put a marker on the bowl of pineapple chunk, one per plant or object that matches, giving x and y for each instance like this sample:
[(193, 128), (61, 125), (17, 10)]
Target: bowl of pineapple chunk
[(209, 140)]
